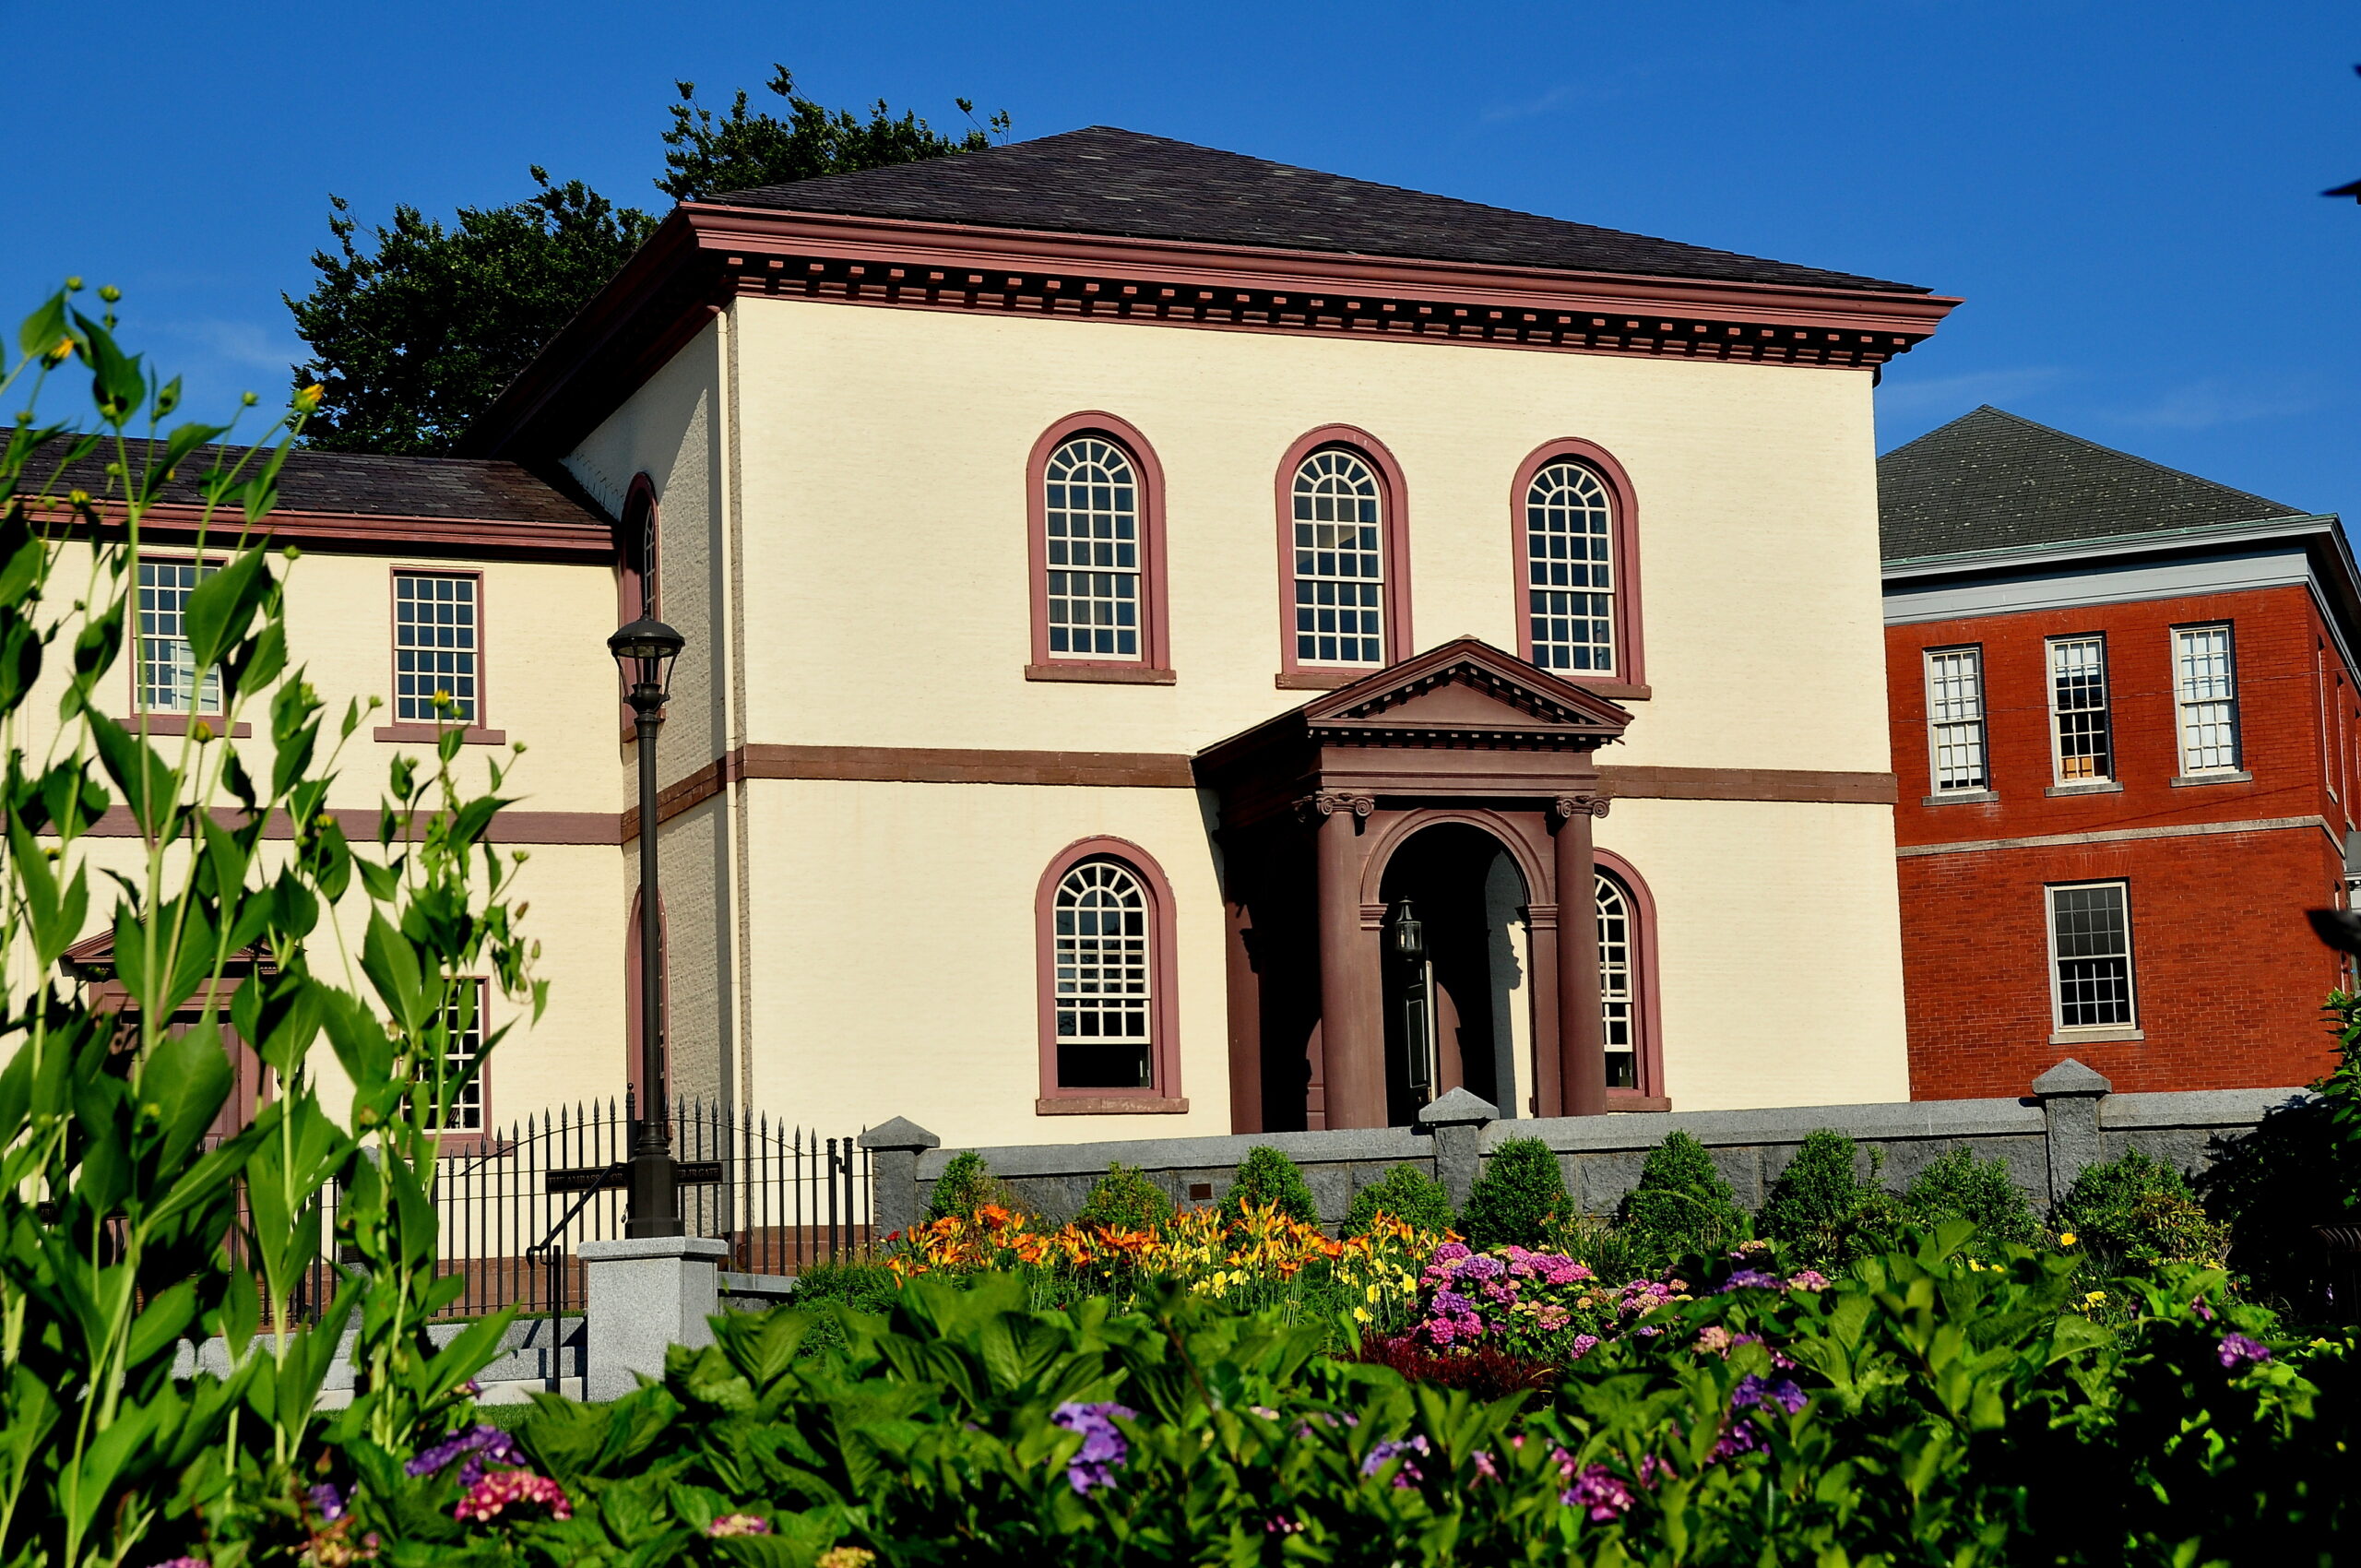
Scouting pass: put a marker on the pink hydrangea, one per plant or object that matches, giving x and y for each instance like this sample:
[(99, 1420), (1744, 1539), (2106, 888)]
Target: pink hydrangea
[(739, 1525), (497, 1490)]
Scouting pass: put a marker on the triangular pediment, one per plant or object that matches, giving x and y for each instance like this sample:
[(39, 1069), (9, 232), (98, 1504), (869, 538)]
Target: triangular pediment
[(1468, 685)]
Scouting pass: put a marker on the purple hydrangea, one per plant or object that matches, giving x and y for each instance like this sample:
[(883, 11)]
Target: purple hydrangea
[(1585, 1344), (1103, 1448), (2237, 1351), (1749, 1279), (1743, 1437), (327, 1500), (1388, 1450), (483, 1443), (1753, 1390), (1481, 1267), (1600, 1491), (1450, 1252)]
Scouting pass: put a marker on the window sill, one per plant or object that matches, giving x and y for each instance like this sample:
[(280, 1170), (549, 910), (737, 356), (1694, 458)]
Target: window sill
[(1109, 1105), (178, 723), (1319, 680), (1105, 674), (2192, 781), (1964, 798), (429, 734), (2099, 787), (1631, 1100), (2096, 1036)]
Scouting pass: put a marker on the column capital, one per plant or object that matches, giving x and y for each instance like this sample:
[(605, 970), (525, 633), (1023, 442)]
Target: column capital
[(1566, 807), (1329, 802)]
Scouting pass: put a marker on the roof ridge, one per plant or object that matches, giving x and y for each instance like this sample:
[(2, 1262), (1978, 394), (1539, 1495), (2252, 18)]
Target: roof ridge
[(2110, 451)]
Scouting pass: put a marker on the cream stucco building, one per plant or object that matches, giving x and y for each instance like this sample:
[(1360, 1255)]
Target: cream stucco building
[(1181, 644)]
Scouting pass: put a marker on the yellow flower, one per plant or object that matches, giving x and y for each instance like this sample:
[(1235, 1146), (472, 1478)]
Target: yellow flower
[(1375, 1294), (2094, 1298), (2066, 1239), (1360, 1314)]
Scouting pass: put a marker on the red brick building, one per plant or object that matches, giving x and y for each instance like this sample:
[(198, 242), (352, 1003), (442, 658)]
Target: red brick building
[(2127, 730)]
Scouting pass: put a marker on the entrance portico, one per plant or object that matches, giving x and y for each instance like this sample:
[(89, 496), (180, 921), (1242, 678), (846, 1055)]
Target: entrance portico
[(1318, 803)]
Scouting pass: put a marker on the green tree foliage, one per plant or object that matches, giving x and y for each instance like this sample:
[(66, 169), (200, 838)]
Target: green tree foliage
[(2135, 1212), (1821, 1208), (965, 1185), (1957, 1186), (120, 1218), (1267, 1177), (1519, 1200), (1681, 1204), (1406, 1192), (2297, 1169), (415, 326), (742, 152), (1124, 1199)]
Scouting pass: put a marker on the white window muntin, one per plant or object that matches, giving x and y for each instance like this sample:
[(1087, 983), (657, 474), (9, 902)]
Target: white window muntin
[(1956, 719), (1570, 570), (462, 1044), (2205, 691), (438, 649), (1091, 517), (167, 675), (1339, 561), (2090, 956), (1617, 984), (1102, 967), (2081, 733)]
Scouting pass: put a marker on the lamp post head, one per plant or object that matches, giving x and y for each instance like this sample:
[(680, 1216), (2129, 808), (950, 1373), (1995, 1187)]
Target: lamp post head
[(645, 652), (1410, 933)]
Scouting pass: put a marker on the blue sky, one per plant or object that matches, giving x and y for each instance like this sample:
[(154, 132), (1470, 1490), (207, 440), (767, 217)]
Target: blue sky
[(2127, 194)]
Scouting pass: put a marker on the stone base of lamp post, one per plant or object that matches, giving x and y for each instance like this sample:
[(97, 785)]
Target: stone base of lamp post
[(646, 1295)]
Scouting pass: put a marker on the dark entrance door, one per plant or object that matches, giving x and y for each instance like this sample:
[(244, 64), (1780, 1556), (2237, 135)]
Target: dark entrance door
[(1453, 976)]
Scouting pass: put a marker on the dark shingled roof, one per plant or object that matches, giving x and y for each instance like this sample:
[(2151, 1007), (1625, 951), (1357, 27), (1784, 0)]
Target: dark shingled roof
[(369, 485), (1990, 479), (1105, 181)]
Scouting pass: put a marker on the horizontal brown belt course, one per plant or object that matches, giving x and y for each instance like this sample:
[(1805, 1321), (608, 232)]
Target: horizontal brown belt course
[(1131, 770), (1170, 770)]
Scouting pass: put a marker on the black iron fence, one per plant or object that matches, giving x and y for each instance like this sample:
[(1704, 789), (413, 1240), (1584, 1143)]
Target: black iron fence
[(516, 1204)]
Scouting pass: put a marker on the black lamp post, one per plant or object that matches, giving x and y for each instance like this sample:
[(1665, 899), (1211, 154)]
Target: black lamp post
[(645, 651), (1409, 935)]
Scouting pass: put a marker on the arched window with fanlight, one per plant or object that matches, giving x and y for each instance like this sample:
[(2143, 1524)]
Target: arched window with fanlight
[(1577, 571), (1106, 959), (1342, 559), (1627, 981), (1097, 553)]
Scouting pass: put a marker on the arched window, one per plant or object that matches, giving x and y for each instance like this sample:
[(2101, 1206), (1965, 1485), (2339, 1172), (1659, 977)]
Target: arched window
[(1577, 570), (635, 552), (1098, 554), (1627, 982), (1343, 559), (1107, 965)]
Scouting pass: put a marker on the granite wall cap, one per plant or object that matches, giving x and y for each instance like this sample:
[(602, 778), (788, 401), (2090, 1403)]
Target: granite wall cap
[(2071, 1078), (1458, 1109), (901, 1133), (632, 1248), (2201, 1108)]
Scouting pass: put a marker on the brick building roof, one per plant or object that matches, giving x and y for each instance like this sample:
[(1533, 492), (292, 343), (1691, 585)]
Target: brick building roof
[(1990, 479), (1105, 181), (370, 484)]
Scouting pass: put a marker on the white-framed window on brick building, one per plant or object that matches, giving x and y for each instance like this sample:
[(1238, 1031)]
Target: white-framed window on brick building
[(2090, 956), (1956, 721), (462, 1047), (2080, 726), (166, 678), (2205, 692), (438, 647)]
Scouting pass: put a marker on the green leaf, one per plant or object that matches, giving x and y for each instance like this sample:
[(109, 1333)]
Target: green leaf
[(221, 605), (118, 385), (393, 968), (151, 788), (44, 328)]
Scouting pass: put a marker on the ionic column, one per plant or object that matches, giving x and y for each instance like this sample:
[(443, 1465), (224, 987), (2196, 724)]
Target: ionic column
[(1351, 1043), (1582, 1036)]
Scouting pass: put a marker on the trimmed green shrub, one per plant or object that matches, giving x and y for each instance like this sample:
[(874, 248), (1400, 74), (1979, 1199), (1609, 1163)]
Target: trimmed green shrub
[(1124, 1199), (1267, 1177), (2135, 1211), (1407, 1192), (1681, 1206), (1823, 1211), (856, 1287), (1960, 1186), (965, 1185), (1519, 1199)]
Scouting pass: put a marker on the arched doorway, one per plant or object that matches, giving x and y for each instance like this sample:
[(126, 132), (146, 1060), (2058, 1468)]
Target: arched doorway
[(1456, 971)]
